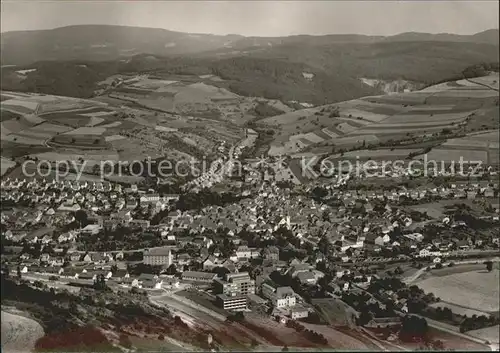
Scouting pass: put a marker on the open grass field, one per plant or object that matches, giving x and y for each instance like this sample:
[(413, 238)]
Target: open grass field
[(448, 155), (19, 333), (491, 334), (477, 290), (459, 309), (335, 312)]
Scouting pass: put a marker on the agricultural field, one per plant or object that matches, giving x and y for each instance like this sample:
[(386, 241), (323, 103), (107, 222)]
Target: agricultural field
[(475, 290), (427, 113), (5, 165), (385, 154), (482, 147)]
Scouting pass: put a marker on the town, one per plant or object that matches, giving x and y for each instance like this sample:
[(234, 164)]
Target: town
[(276, 248)]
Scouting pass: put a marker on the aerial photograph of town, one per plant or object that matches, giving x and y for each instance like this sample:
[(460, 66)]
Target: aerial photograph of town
[(249, 176)]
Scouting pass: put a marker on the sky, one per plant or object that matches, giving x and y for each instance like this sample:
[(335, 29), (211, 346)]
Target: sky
[(259, 18)]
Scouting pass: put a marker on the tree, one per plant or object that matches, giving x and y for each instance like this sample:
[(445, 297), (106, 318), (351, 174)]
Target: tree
[(284, 349), (100, 283), (365, 317), (5, 271), (81, 217), (489, 265), (171, 270)]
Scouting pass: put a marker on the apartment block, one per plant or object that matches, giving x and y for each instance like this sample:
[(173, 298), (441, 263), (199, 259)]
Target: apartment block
[(235, 284)]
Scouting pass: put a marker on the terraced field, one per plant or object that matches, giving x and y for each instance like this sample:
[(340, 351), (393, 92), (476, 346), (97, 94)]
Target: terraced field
[(482, 147), (445, 107)]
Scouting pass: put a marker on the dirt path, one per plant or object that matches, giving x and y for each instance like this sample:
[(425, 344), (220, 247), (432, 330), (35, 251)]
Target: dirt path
[(19, 333)]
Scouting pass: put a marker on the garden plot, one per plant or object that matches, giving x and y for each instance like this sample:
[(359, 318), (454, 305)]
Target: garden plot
[(50, 128), (449, 155), (23, 140), (353, 140), (165, 128), (330, 133), (409, 99), (466, 143), (492, 136), (6, 164), (375, 130), (289, 118), (22, 106), (87, 131), (310, 136), (99, 113), (364, 114), (445, 118), (72, 156), (110, 125), (65, 104), (475, 93), (114, 138), (345, 128), (14, 125), (95, 121), (385, 154), (33, 119)]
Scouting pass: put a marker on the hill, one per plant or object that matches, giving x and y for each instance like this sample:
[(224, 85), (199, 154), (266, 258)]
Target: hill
[(106, 42), (71, 61), (101, 42), (256, 77)]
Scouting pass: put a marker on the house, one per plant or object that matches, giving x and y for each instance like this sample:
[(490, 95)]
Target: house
[(53, 270), (70, 273), (171, 282), (183, 259), (307, 277), (140, 223), (210, 263), (195, 276), (384, 322), (44, 257), (89, 275), (129, 281), (280, 297), (91, 229), (158, 256), (75, 257), (271, 253), (299, 312), (150, 281), (96, 258), (120, 274), (233, 303)]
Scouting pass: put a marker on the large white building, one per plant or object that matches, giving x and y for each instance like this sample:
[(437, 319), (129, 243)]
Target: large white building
[(158, 257), (280, 297), (235, 284)]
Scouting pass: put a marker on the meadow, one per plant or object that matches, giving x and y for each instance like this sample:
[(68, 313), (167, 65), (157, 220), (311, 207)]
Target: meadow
[(476, 290)]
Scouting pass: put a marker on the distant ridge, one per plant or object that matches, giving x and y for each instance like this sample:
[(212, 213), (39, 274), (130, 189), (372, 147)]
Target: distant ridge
[(108, 42)]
